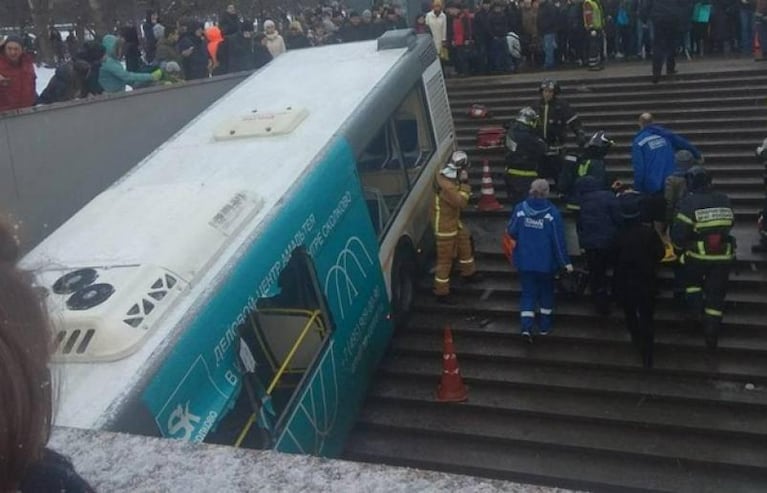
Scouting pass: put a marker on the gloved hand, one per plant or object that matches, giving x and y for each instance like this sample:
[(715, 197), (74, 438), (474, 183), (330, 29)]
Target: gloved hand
[(157, 75), (569, 268)]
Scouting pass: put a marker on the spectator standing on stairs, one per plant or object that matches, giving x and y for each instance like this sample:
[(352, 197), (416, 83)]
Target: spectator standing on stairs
[(540, 252), (451, 195)]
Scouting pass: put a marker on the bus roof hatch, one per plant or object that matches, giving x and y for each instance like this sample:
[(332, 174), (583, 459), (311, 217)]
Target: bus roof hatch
[(261, 124), (400, 38)]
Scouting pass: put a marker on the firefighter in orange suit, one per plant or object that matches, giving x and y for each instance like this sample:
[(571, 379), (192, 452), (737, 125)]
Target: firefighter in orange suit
[(452, 192)]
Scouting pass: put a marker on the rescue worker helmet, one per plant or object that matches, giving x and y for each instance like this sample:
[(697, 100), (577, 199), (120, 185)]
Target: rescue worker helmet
[(460, 159), (527, 116), (697, 178), (450, 171), (549, 84), (599, 144)]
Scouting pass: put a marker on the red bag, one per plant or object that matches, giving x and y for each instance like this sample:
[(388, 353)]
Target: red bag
[(478, 111), (491, 138), (508, 244)]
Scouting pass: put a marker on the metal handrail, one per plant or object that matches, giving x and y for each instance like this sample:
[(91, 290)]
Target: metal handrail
[(313, 316)]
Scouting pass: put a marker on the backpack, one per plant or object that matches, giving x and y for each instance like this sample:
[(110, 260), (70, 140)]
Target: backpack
[(491, 137)]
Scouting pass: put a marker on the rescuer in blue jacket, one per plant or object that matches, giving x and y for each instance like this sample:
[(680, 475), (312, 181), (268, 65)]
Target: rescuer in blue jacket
[(540, 251), (652, 155)]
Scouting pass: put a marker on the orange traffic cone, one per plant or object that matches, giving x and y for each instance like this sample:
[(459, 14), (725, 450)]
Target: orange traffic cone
[(451, 388), (488, 202)]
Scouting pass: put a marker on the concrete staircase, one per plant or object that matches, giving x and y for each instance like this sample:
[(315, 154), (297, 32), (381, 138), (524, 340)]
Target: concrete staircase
[(577, 409)]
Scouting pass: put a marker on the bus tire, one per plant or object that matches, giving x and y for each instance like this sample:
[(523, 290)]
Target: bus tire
[(403, 279)]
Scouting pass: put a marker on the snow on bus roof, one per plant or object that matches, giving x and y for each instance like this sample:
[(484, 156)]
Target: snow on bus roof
[(328, 82)]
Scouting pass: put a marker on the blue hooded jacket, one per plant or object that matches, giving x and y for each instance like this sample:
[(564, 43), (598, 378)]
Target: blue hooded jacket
[(536, 226), (652, 156), (113, 77)]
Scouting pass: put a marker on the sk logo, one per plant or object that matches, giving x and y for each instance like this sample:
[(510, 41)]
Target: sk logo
[(181, 419)]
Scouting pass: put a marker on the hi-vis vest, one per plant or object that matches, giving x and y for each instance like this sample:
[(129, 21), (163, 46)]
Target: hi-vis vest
[(592, 15), (710, 239), (449, 198)]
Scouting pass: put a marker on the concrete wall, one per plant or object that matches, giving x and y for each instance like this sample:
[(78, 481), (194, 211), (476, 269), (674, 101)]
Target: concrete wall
[(55, 159), (116, 462)]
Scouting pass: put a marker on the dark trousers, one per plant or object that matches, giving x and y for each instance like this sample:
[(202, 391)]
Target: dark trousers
[(664, 46), (460, 57), (705, 290), (639, 310), (595, 41), (550, 167), (517, 187), (598, 261)]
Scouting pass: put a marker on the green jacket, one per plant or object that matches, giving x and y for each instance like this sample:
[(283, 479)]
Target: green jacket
[(593, 18), (113, 77)]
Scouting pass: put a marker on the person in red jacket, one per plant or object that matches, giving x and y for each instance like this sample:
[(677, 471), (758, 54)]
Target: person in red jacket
[(17, 76)]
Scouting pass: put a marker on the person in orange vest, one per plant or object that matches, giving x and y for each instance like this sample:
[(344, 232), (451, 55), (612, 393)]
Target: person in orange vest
[(215, 39), (451, 195)]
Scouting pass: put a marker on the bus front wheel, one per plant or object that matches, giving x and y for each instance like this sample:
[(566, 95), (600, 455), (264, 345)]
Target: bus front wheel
[(403, 285)]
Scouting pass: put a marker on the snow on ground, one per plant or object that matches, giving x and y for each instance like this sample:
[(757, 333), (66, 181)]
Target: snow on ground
[(43, 76), (116, 462)]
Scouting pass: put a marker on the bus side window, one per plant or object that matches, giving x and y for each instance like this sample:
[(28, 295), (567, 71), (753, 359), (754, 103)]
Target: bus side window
[(394, 157), (413, 130)]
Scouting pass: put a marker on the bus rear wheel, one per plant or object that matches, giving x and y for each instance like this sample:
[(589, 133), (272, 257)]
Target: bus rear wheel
[(403, 279)]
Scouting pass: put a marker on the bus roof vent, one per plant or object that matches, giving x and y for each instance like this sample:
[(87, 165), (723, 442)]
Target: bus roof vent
[(262, 124), (106, 313), (400, 38)]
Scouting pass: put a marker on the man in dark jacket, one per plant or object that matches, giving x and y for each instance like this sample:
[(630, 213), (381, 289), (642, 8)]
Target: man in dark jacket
[(482, 36), (548, 27), (556, 118), (194, 52), (591, 163), (666, 16), (229, 22), (236, 51), (94, 53), (150, 40), (639, 250), (67, 83), (498, 27), (524, 152), (354, 30), (598, 222), (701, 234)]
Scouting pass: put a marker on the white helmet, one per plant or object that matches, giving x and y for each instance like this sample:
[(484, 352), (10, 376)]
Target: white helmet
[(460, 159), (450, 171)]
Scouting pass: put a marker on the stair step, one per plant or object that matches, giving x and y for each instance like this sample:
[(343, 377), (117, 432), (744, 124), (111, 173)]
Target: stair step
[(531, 463), (695, 391), (549, 428)]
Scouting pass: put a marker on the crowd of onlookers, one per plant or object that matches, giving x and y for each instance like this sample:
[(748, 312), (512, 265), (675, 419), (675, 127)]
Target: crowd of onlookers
[(497, 36)]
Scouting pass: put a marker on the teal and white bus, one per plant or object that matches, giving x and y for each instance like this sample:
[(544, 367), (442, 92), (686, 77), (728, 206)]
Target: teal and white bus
[(241, 283)]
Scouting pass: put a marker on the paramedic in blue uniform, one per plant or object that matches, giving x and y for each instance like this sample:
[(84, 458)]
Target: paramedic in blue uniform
[(540, 252)]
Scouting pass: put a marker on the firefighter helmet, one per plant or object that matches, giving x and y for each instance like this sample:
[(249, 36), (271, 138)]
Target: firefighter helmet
[(527, 116), (599, 144), (697, 178), (549, 84), (460, 159)]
